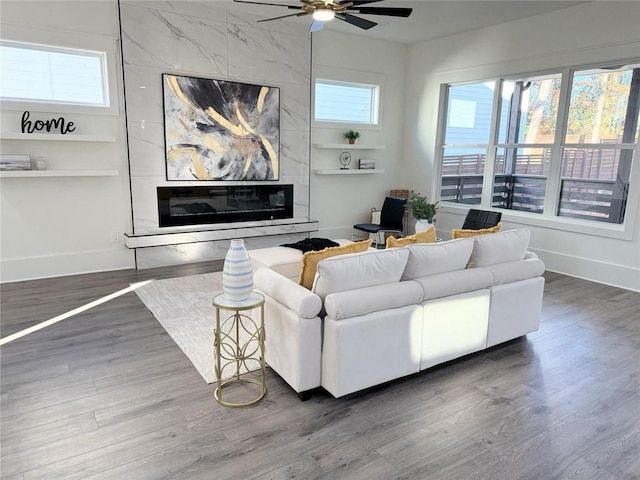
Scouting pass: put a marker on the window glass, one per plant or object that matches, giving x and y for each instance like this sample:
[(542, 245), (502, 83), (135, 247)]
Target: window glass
[(529, 110), (598, 106), (346, 102), (520, 179), (47, 74), (469, 113), (462, 173)]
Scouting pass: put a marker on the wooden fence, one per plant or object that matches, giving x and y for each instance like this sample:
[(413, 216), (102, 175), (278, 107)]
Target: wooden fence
[(585, 163), (602, 200)]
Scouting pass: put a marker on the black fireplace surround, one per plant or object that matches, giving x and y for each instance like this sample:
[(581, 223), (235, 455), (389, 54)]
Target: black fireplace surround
[(179, 206)]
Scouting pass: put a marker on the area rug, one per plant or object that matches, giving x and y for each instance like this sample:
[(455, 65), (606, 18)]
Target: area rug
[(183, 307)]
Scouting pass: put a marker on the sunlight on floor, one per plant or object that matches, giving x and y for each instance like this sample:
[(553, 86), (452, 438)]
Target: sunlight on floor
[(71, 313)]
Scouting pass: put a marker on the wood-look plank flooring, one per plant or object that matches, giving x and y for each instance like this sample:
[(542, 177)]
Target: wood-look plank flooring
[(107, 394)]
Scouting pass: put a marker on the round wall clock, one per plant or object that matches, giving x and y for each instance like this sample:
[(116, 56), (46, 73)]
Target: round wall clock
[(345, 160)]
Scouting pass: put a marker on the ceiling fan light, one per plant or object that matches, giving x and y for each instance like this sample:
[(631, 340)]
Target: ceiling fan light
[(324, 14)]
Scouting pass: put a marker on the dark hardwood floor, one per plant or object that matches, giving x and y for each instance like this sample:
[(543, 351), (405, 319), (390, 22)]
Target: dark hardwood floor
[(107, 394)]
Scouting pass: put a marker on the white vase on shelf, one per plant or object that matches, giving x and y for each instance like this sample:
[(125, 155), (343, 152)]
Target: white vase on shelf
[(422, 225), (237, 275)]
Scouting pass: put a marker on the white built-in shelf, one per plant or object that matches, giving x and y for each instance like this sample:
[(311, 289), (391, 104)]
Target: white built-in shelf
[(69, 137), (57, 173), (348, 146), (354, 171)]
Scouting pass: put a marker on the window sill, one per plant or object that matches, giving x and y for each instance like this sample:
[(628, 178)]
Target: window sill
[(568, 224)]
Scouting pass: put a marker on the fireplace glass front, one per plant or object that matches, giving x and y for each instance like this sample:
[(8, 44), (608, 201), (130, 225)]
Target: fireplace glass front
[(179, 206)]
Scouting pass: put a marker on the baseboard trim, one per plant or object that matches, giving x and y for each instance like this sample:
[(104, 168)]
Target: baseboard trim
[(606, 273), (48, 266)]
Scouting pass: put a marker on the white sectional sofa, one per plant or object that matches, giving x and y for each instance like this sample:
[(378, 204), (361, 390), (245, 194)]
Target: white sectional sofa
[(376, 316)]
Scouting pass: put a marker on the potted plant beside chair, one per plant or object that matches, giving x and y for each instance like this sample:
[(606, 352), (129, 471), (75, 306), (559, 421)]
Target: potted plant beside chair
[(351, 135), (423, 211)]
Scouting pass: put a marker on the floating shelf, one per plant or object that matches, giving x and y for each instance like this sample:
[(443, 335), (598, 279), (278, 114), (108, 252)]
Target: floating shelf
[(57, 137), (364, 171), (57, 173), (348, 146)]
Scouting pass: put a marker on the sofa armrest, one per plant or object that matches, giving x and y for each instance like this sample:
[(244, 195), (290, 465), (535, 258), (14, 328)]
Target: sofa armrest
[(295, 297), (353, 303), (529, 255)]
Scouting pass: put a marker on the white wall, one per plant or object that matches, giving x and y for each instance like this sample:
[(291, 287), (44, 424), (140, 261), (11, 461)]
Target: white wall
[(340, 201), (593, 32), (60, 226)]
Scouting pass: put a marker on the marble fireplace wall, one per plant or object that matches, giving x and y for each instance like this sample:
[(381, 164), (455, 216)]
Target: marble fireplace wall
[(197, 39)]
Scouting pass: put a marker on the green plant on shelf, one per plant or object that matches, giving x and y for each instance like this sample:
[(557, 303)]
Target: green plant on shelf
[(351, 135)]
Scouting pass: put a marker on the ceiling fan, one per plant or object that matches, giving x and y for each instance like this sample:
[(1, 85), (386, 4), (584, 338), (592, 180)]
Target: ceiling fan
[(325, 10)]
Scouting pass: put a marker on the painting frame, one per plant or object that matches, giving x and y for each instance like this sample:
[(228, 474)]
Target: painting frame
[(220, 130)]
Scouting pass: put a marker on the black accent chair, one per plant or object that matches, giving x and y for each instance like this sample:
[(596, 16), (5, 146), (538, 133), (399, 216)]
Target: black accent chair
[(479, 219), (391, 218)]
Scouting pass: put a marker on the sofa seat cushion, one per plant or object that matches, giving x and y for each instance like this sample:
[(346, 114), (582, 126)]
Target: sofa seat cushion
[(286, 261), (425, 236), (433, 258), (509, 272), (452, 283), (361, 270), (310, 260), (462, 233), (353, 303), (500, 247)]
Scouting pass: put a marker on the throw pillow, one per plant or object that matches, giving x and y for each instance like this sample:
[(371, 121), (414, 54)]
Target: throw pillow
[(310, 259), (426, 236), (460, 233)]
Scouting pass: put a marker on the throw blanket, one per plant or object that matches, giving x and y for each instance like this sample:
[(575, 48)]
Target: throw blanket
[(310, 244)]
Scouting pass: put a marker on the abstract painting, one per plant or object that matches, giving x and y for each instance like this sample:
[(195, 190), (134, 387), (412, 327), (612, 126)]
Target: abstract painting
[(219, 130)]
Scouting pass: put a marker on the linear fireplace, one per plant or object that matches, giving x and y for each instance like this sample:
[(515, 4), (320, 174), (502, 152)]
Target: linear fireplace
[(179, 206)]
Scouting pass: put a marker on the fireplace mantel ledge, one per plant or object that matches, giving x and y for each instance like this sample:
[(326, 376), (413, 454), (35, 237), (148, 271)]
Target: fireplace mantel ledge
[(181, 235)]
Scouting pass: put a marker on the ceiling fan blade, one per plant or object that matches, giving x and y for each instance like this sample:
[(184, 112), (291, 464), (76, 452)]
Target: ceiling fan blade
[(357, 21), (355, 3), (283, 16), (269, 4), (389, 11), (316, 26)]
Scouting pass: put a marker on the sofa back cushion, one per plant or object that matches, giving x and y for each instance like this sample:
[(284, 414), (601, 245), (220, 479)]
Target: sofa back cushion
[(433, 258), (425, 236), (361, 270), (310, 259), (500, 247)]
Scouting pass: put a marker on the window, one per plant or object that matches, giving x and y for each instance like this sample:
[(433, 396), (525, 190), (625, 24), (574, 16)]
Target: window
[(467, 133), (559, 144), (346, 102), (38, 73)]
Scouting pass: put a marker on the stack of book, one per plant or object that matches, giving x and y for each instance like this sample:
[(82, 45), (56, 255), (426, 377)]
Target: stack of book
[(367, 164)]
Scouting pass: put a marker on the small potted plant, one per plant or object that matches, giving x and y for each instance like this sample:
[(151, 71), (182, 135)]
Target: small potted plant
[(423, 211), (351, 135)]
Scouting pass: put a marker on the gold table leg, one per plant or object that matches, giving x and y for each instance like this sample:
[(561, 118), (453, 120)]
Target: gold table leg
[(229, 352)]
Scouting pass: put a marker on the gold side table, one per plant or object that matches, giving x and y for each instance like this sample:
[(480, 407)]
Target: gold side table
[(239, 346)]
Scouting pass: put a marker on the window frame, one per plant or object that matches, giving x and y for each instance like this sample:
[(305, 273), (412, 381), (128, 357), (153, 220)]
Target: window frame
[(33, 47), (346, 76), (374, 91), (61, 40), (549, 217)]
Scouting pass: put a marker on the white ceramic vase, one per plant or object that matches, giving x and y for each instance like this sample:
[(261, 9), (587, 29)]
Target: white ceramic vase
[(422, 225), (237, 275)]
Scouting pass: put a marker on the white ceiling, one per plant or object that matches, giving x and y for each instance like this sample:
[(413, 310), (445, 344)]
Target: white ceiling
[(429, 20)]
